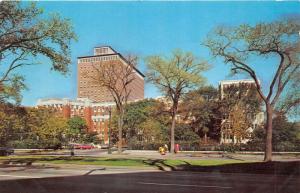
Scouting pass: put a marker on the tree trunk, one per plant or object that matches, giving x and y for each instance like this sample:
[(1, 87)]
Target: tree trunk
[(268, 128), (205, 138), (173, 133), (120, 126)]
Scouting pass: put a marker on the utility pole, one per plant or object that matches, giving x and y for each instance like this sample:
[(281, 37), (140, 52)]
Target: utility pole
[(109, 131)]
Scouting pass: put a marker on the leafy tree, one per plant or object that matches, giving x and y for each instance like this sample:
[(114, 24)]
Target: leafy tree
[(90, 137), (12, 121), (239, 106), (77, 127), (151, 130), (278, 39), (186, 137), (175, 76), (144, 124), (200, 108), (77, 124), (286, 135), (239, 123), (26, 34), (135, 114), (31, 127), (243, 94), (53, 132)]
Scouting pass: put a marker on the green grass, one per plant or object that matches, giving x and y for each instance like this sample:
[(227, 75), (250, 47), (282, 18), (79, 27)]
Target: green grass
[(99, 161), (75, 160), (137, 162)]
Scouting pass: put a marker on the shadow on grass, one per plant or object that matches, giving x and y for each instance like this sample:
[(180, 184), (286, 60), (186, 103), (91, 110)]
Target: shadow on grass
[(160, 164), (30, 161), (280, 168)]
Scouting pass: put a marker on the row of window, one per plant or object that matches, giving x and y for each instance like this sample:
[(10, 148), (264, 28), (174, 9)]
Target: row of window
[(99, 58)]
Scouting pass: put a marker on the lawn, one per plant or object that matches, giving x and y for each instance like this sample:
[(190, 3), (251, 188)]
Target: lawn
[(209, 165), (136, 162)]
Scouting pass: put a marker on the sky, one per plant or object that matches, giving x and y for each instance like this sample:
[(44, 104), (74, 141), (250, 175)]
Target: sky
[(145, 29)]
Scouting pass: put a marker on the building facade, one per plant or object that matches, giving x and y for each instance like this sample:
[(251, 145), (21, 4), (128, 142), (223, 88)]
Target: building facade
[(94, 102), (96, 115), (89, 88)]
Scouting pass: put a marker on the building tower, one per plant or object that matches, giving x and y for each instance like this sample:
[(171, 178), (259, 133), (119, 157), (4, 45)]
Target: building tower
[(88, 88)]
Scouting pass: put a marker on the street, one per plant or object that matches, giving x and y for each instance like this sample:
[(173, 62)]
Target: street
[(81, 179)]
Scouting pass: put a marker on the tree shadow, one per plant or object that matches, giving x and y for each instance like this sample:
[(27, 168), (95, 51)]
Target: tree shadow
[(30, 161), (275, 167), (160, 164), (91, 171)]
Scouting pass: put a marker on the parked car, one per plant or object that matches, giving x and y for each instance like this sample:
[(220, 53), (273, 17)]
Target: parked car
[(77, 146), (83, 146), (5, 151)]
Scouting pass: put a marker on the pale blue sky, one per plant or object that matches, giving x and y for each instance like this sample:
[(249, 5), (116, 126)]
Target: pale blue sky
[(146, 28)]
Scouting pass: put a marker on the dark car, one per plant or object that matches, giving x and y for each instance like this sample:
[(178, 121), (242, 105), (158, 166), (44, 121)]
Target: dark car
[(4, 151)]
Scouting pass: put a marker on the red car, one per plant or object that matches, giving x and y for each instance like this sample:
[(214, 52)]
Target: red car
[(83, 146)]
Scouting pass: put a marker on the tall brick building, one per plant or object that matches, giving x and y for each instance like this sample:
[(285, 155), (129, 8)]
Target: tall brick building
[(94, 102), (87, 71)]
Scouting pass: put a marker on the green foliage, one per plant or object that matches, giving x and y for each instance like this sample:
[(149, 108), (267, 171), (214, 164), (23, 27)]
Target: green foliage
[(184, 133), (201, 109), (11, 90), (77, 130), (40, 128), (89, 137), (232, 148), (53, 132), (31, 128), (175, 75), (26, 33), (12, 121), (77, 124), (285, 136), (145, 124)]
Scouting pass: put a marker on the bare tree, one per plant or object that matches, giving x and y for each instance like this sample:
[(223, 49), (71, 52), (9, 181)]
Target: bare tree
[(116, 77), (280, 40)]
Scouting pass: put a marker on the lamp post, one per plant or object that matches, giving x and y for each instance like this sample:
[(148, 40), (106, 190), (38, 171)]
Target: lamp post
[(109, 131)]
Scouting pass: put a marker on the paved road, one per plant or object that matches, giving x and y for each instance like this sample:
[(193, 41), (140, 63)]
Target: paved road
[(122, 180)]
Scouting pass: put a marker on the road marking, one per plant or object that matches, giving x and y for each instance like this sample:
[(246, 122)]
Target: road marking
[(18, 176), (184, 185)]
